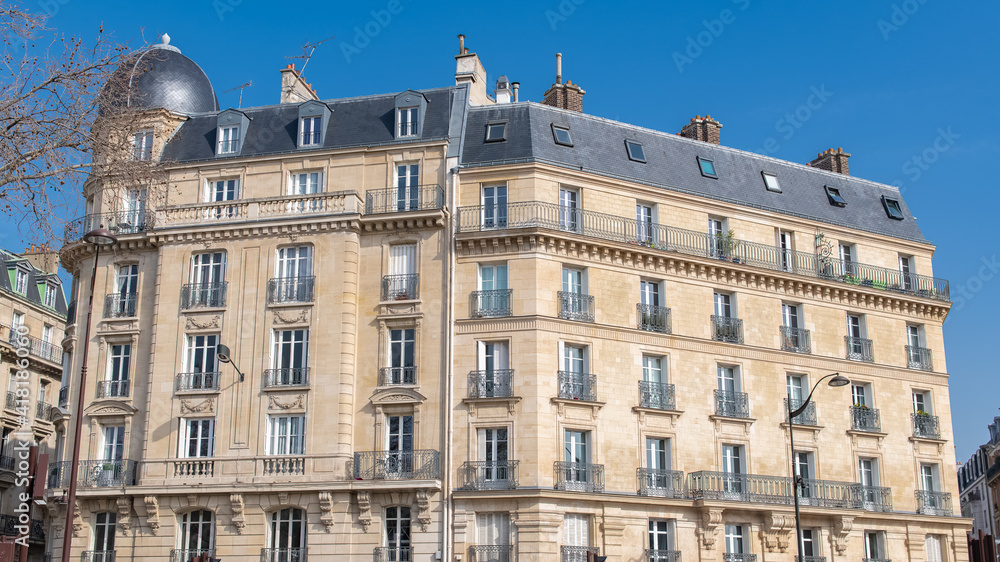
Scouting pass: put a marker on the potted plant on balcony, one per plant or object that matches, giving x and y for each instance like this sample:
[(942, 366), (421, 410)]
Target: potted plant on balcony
[(402, 296)]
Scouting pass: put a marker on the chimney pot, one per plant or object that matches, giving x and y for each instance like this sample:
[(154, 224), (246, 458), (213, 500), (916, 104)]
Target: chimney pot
[(461, 44), (832, 160), (705, 130), (558, 68)]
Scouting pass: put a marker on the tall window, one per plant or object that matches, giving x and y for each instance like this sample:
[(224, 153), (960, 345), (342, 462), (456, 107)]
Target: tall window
[(905, 272), (16, 320), (493, 445), (229, 140), (494, 529), (790, 315), (197, 438), (922, 402), (287, 535), (869, 479), (114, 443), (20, 281), (134, 218), (576, 529), (724, 305), (221, 191), (290, 356), (785, 250), (661, 540), (810, 543), (658, 457), (929, 477), (795, 384), (848, 259), (293, 275), (569, 210), (494, 367), (649, 293), (406, 121), (653, 369), (197, 534), (862, 395), (874, 545), (728, 380), (50, 295), (934, 552), (734, 539), (311, 133), (732, 466), (573, 281), (397, 533), (494, 297), (402, 356), (142, 145), (804, 468), (399, 444), (119, 362), (644, 223), (105, 524), (407, 187), (717, 246), (286, 435), (128, 288), (208, 270), (495, 206), (856, 346), (577, 452), (402, 282), (201, 363), (574, 383), (306, 183)]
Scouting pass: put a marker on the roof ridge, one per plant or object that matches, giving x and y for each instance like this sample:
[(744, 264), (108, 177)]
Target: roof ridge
[(329, 100)]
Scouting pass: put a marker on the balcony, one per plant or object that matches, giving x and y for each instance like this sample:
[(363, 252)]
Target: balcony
[(660, 238), (208, 381), (71, 313), (660, 483), (189, 554), (732, 404), (866, 419), (926, 426), (283, 466), (43, 411), (933, 503), (194, 467), (740, 487), (392, 554), (656, 395), (810, 558), (404, 199), (874, 498), (859, 349), (738, 557), (112, 389), (807, 417), (577, 553), (35, 347), (9, 528), (119, 223), (283, 555), (8, 463), (727, 329), (97, 556), (11, 402), (654, 318), (661, 555), (290, 289), (503, 553), (579, 476), (94, 474), (288, 377), (488, 475), (395, 376), (795, 339), (577, 386), (401, 287), (919, 358), (498, 383), (491, 304), (396, 465), (576, 306), (203, 295), (120, 305)]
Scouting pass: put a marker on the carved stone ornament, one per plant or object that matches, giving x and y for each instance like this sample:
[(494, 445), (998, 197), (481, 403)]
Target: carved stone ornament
[(239, 519), (205, 406), (777, 531), (152, 513), (77, 520), (709, 529), (423, 509), (326, 509), (290, 317), (364, 509), (203, 323), (299, 402), (841, 529), (124, 505)]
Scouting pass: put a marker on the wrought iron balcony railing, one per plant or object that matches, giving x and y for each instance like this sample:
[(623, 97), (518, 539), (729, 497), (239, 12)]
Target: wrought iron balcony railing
[(578, 553), (660, 483), (738, 557), (209, 295), (489, 475), (654, 318), (396, 465), (112, 389), (403, 199), (732, 404), (799, 558), (394, 376), (577, 386), (97, 556), (43, 411), (36, 347), (283, 555), (11, 402), (290, 289), (859, 349), (291, 376), (656, 237), (392, 554), (496, 383), (657, 395), (740, 487), (876, 560), (933, 503), (807, 417), (926, 426), (795, 339), (491, 304), (71, 313), (504, 553), (864, 418), (875, 498), (727, 329), (579, 476), (120, 305), (190, 554), (650, 555), (8, 463), (198, 381), (401, 287), (576, 306), (64, 397), (94, 474), (919, 358), (120, 223)]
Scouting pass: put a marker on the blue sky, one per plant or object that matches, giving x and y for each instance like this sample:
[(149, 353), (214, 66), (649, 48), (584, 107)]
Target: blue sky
[(907, 87)]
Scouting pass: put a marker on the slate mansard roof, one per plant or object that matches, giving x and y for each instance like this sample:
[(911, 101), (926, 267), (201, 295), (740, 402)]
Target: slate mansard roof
[(35, 276), (671, 163)]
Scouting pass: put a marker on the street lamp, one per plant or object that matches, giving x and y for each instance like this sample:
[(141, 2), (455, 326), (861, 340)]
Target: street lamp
[(98, 237), (222, 352), (837, 380)]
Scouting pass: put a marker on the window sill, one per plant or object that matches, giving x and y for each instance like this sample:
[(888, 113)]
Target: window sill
[(290, 304), (719, 420), (672, 415), (197, 391), (561, 404), (200, 309), (475, 403)]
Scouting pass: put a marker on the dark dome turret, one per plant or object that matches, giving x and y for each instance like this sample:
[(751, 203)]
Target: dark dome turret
[(161, 77)]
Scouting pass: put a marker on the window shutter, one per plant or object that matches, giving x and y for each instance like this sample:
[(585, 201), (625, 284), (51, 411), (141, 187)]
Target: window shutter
[(502, 355)]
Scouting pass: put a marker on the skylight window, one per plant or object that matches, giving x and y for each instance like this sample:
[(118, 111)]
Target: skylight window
[(892, 208), (561, 135), (707, 168), (834, 195), (496, 132), (771, 182), (635, 152)]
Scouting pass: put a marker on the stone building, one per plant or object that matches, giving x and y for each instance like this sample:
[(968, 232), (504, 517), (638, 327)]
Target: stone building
[(462, 326)]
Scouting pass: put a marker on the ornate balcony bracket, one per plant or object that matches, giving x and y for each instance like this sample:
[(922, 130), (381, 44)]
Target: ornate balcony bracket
[(124, 505), (364, 509), (326, 508), (152, 513), (841, 530), (423, 509), (238, 507), (671, 415), (777, 531), (475, 403), (721, 420), (708, 531), (858, 436), (562, 403)]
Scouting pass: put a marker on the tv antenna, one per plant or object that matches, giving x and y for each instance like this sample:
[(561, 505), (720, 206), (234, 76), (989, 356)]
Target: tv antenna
[(246, 84), (307, 52)]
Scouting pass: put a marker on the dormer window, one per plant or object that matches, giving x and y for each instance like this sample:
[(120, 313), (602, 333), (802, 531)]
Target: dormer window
[(314, 117), (19, 280), (310, 127), (406, 121), (635, 151), (833, 194), (229, 140), (49, 297), (142, 145), (232, 129), (411, 114), (892, 208)]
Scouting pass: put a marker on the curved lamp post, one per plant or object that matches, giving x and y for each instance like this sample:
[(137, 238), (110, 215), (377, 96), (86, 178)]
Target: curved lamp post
[(837, 380), (98, 237), (223, 354)]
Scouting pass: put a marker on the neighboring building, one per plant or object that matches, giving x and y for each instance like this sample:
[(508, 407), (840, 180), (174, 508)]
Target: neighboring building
[(466, 331), (974, 495), (32, 316)]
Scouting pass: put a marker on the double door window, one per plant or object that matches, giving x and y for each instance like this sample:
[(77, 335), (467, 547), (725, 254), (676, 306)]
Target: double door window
[(399, 444), (397, 533), (197, 533), (105, 524), (569, 210), (644, 223), (202, 363), (407, 187), (402, 366), (732, 466), (493, 448), (495, 206)]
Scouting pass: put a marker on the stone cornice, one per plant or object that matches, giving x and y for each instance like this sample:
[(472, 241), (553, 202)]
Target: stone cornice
[(389, 222)]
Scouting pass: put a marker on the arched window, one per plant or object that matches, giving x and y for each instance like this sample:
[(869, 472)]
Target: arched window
[(286, 537), (197, 536)]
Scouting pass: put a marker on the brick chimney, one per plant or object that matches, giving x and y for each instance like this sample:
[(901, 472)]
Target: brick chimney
[(703, 129), (832, 161), (42, 257), (564, 96), (294, 88)]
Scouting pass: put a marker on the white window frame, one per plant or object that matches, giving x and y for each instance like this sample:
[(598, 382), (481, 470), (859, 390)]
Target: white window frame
[(790, 315), (290, 518), (862, 390), (407, 127), (206, 350), (229, 139), (724, 304), (284, 342), (192, 536), (305, 182), (314, 130), (20, 281), (119, 362), (226, 188), (494, 529), (575, 530), (208, 268), (142, 145), (293, 262), (645, 218), (187, 437), (49, 298), (286, 434), (736, 540), (922, 401), (494, 205)]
